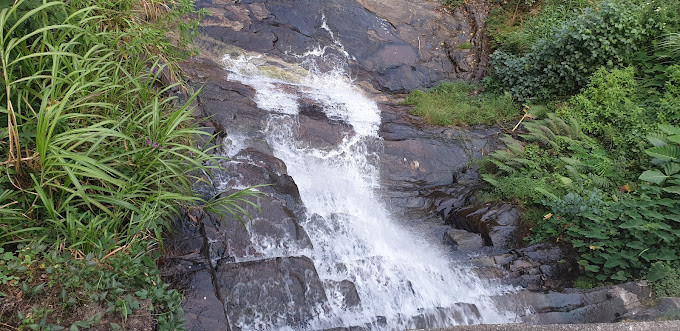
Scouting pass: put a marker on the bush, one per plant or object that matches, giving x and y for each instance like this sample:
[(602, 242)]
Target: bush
[(518, 24), (99, 154), (624, 236), (608, 34), (608, 108)]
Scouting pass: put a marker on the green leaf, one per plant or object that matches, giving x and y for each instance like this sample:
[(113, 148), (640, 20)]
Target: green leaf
[(588, 266), (671, 168), (664, 153), (657, 139), (675, 139), (672, 189), (658, 271), (669, 129), (620, 275), (653, 176)]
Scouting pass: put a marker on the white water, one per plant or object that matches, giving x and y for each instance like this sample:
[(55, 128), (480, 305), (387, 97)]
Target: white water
[(397, 274)]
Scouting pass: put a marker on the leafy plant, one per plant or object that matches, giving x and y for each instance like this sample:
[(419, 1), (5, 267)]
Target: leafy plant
[(99, 155), (552, 157), (608, 34), (625, 236), (115, 286), (609, 109)]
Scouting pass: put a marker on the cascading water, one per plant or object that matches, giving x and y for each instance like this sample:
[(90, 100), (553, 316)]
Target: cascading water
[(401, 280)]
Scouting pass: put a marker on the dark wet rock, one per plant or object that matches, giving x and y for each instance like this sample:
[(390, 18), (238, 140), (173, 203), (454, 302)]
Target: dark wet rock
[(269, 293), (427, 170), (461, 313), (496, 223), (463, 240), (538, 267), (202, 309), (661, 309), (345, 291), (605, 304), (251, 167), (273, 231), (227, 106), (398, 46), (319, 131)]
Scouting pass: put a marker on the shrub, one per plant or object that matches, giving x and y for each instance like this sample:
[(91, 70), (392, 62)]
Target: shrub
[(518, 24), (625, 236), (608, 34), (552, 157), (608, 108)]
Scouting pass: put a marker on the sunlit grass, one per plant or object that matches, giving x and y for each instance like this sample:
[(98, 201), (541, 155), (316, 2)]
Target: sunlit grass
[(460, 103)]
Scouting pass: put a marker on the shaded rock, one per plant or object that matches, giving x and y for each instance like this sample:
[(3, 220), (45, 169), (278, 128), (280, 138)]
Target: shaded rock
[(318, 131), (343, 291), (605, 304), (226, 104), (273, 231), (251, 167), (266, 294), (497, 223), (398, 46), (426, 170), (202, 309), (460, 313), (463, 240)]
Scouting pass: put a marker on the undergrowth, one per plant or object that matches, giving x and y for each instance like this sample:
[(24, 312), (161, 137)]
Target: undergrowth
[(99, 152), (460, 103), (601, 160)]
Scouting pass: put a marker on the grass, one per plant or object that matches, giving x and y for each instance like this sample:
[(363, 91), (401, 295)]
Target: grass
[(460, 103), (98, 156)]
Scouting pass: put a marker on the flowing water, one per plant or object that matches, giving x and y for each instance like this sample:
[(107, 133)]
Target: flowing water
[(402, 280)]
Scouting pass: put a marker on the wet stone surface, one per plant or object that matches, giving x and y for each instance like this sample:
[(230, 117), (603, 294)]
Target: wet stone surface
[(397, 45), (279, 291)]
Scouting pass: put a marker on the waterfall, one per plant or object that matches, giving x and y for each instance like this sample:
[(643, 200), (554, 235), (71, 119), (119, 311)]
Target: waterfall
[(401, 279)]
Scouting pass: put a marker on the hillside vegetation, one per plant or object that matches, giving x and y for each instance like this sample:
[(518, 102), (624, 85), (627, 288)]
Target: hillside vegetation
[(99, 154), (595, 163)]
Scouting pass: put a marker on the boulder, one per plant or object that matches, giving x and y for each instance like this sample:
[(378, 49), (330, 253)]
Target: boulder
[(270, 293), (464, 241), (497, 223)]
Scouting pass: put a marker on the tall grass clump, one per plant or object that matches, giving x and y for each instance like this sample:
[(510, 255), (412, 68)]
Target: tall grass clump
[(97, 153), (460, 103)]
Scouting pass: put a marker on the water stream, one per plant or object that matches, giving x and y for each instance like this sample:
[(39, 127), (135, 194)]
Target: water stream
[(401, 279)]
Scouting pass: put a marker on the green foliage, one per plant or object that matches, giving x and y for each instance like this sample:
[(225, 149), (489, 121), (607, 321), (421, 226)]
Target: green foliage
[(665, 279), (118, 285), (588, 168), (460, 103), (609, 109), (620, 237), (515, 26), (98, 153), (609, 35), (551, 158)]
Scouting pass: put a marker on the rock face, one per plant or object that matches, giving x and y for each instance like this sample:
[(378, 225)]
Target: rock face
[(606, 304), (228, 267), (429, 170), (259, 294), (397, 45)]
